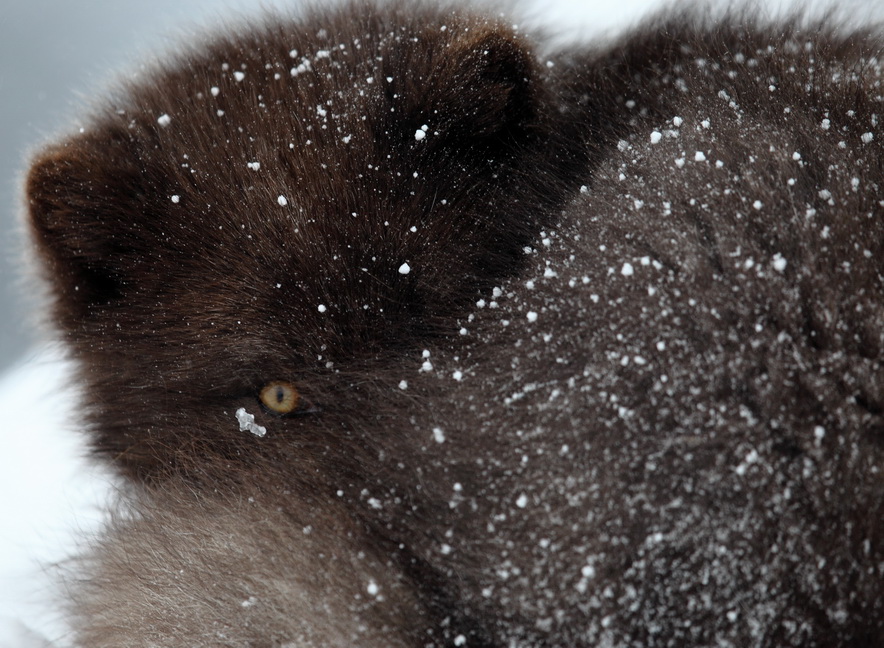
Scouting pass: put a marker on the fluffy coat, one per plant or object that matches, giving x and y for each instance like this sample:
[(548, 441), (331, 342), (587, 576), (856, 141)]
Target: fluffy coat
[(590, 354)]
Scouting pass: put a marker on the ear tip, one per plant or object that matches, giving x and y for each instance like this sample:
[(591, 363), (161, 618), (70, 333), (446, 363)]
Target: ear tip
[(41, 185), (46, 173), (61, 177), (489, 83), (500, 49), (55, 190)]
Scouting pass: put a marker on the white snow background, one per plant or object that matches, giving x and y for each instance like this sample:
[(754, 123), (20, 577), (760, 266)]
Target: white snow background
[(51, 495)]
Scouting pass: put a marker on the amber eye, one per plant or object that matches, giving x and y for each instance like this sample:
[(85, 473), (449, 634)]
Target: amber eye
[(280, 397)]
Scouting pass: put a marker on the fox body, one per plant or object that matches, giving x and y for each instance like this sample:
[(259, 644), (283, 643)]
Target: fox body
[(404, 338)]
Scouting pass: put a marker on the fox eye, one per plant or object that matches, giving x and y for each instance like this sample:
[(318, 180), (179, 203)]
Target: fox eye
[(280, 397)]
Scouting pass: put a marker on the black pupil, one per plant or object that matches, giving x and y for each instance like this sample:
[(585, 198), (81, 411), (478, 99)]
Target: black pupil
[(280, 395)]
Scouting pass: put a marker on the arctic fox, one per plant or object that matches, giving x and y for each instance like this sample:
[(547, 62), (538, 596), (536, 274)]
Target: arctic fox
[(405, 337)]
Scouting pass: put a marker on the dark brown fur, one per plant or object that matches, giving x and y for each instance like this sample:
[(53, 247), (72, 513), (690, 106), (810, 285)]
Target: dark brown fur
[(681, 445)]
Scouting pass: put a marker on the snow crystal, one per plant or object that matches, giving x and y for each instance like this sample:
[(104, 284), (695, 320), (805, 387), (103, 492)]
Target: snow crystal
[(321, 308), (460, 640), (867, 137), (779, 263), (403, 384), (656, 136), (164, 120), (522, 501), (751, 458), (176, 199), (699, 156), (215, 90), (304, 66), (677, 121), (457, 375), (282, 201), (627, 270), (372, 588), (254, 166), (419, 134), (796, 156), (758, 204), (532, 316), (247, 422), (438, 435), (404, 269), (239, 76)]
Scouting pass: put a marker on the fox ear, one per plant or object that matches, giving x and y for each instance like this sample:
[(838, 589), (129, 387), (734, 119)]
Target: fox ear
[(490, 82), (481, 93), (81, 195)]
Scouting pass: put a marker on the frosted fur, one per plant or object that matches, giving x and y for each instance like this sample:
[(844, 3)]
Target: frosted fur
[(596, 360)]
